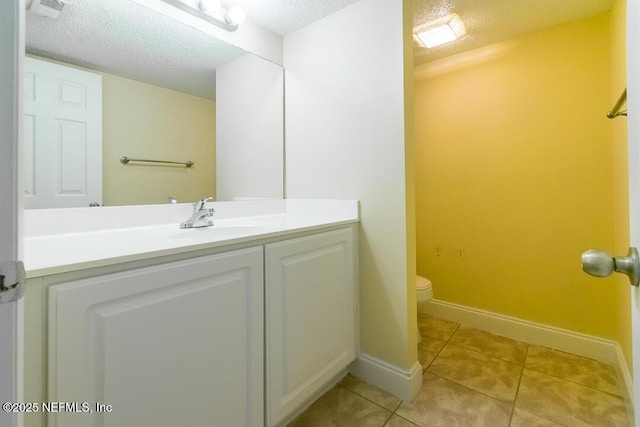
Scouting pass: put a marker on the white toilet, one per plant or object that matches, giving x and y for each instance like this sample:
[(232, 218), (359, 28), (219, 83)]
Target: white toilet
[(424, 294)]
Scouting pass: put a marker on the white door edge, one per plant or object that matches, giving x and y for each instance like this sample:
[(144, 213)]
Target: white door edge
[(633, 96), (11, 57)]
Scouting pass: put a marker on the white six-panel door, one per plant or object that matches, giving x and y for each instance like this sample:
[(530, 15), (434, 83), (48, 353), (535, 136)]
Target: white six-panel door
[(62, 136)]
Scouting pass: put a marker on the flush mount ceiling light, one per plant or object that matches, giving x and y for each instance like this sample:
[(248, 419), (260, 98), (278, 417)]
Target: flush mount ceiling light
[(439, 32), (204, 13)]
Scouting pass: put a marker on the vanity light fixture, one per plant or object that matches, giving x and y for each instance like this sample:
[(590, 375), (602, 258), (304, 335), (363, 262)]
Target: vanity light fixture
[(235, 15), (440, 31), (200, 17), (209, 6)]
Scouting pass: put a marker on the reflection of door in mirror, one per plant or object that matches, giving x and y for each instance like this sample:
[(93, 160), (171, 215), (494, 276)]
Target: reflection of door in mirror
[(62, 136), (159, 102), (138, 120)]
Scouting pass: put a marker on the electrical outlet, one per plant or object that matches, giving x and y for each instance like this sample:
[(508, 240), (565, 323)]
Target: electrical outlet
[(459, 253), (438, 250)]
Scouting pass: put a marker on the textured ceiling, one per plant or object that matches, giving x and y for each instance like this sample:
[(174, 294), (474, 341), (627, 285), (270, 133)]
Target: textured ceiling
[(491, 21), (123, 38), (285, 16)]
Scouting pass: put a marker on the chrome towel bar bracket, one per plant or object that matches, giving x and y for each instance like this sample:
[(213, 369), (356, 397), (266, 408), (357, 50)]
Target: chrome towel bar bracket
[(615, 111)]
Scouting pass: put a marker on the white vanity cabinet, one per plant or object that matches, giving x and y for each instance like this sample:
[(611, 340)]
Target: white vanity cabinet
[(176, 344), (311, 318), (239, 331)]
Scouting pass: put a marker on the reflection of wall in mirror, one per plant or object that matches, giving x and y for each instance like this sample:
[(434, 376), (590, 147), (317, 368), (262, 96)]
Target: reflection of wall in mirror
[(250, 134), (149, 122)]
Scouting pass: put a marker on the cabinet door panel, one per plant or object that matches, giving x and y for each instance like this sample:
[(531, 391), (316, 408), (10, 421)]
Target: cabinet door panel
[(177, 344), (310, 285)]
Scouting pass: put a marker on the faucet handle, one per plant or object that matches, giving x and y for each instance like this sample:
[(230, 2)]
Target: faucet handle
[(199, 205)]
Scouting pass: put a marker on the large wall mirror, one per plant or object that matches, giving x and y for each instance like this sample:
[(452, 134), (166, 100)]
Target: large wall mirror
[(168, 92)]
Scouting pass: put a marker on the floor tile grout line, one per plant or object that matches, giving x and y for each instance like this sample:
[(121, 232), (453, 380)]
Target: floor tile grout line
[(574, 382), (545, 417), (395, 411), (486, 354), (424, 369), (467, 387), (569, 355), (397, 407), (388, 419), (470, 389), (483, 354), (405, 419), (523, 367), (496, 341), (523, 364), (515, 398), (371, 401), (392, 414), (440, 337)]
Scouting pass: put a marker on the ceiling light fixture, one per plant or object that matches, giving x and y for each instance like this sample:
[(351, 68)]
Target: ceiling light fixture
[(235, 15), (439, 32), (207, 12), (209, 6), (48, 8)]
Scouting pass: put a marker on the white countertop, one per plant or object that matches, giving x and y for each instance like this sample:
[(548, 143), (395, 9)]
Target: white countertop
[(62, 240)]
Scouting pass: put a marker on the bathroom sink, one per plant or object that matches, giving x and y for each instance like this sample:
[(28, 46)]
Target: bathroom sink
[(220, 231)]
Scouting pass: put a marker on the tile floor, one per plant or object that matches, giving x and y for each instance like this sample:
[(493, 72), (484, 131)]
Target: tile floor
[(474, 378)]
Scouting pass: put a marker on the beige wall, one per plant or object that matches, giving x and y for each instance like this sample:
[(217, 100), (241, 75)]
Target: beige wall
[(515, 177), (144, 121), (345, 130)]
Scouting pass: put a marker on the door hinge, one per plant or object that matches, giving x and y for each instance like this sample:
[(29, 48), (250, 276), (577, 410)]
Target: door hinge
[(12, 279)]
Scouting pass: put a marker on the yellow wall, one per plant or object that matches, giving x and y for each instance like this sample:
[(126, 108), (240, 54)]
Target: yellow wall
[(514, 172), (150, 122), (620, 183)]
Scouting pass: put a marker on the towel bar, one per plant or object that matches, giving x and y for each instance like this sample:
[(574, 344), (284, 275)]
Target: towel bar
[(124, 160)]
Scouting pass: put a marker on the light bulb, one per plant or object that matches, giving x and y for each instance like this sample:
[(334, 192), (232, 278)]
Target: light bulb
[(235, 15), (209, 5)]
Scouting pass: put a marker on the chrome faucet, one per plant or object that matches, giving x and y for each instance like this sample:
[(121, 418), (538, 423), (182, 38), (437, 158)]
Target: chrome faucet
[(200, 216)]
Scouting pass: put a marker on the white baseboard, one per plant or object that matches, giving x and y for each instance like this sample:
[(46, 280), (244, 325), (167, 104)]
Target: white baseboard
[(403, 384), (625, 377), (600, 349), (523, 330)]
